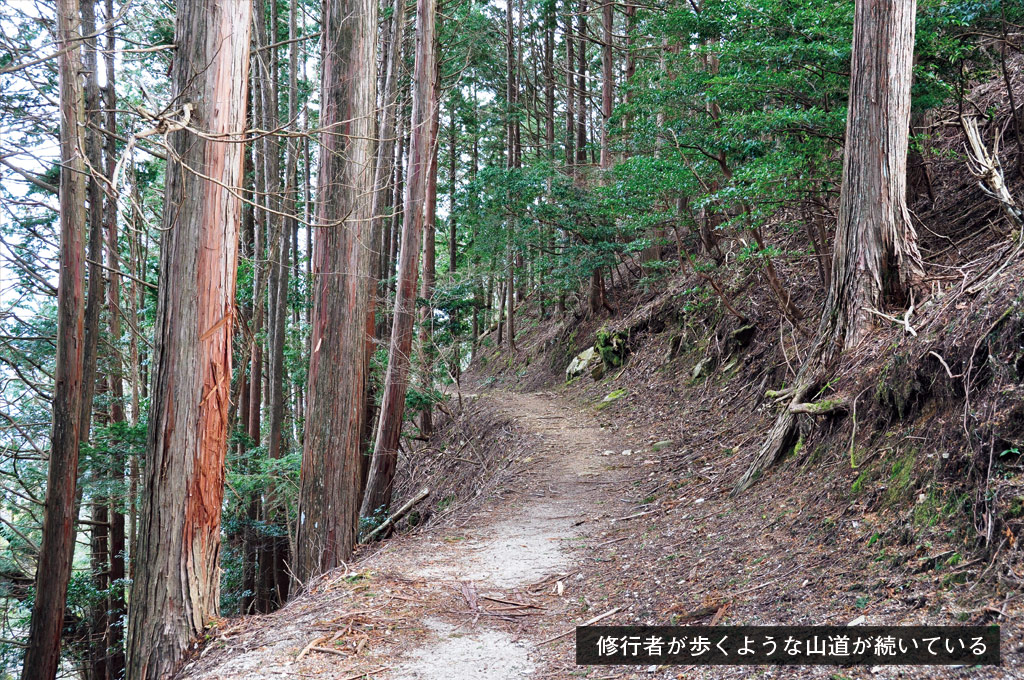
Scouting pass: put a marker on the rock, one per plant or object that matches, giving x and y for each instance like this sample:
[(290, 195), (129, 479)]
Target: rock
[(598, 371), (664, 444), (701, 368), (611, 397), (612, 347), (581, 363)]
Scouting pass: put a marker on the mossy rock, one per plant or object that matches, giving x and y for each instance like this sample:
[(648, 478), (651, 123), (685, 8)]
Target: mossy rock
[(612, 346), (611, 398)]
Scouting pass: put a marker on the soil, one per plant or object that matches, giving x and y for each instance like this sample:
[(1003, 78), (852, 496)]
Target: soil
[(473, 599), (580, 528)]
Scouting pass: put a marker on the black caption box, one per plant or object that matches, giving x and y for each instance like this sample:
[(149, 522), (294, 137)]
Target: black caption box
[(788, 645)]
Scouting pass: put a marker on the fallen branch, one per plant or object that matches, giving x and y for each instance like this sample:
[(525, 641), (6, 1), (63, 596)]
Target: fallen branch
[(905, 321), (313, 643), (511, 602), (365, 674), (639, 514), (399, 514), (591, 622)]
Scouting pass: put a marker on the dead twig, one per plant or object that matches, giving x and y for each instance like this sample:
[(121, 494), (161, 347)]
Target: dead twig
[(591, 622)]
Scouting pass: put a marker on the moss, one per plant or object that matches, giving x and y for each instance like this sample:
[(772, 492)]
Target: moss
[(901, 476), (611, 346), (611, 397), (1016, 510)]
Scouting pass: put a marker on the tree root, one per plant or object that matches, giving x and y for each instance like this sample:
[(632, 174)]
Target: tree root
[(776, 442), (819, 408)]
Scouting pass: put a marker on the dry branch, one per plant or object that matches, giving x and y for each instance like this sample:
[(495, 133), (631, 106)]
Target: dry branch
[(399, 514)]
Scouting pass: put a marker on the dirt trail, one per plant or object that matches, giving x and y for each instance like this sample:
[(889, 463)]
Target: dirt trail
[(478, 598), (515, 543)]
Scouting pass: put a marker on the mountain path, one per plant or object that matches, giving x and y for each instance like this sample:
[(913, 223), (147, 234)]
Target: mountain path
[(516, 543), (479, 599)]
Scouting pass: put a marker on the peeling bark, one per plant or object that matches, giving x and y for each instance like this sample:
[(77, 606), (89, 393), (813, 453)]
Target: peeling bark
[(177, 577)]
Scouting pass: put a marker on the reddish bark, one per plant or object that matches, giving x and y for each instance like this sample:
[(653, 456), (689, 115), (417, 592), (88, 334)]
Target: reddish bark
[(176, 590)]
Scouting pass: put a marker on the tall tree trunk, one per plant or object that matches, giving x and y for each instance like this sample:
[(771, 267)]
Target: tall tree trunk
[(607, 81), (99, 562), (876, 258), (383, 199), (430, 259), (513, 124), (330, 474), (177, 586), (274, 579), (597, 292), (453, 241), (570, 91), (392, 410), (116, 602), (100, 555), (550, 9), (94, 256), (53, 570), (581, 86)]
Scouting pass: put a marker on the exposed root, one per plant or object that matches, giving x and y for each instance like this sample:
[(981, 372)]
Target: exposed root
[(777, 441), (819, 408)]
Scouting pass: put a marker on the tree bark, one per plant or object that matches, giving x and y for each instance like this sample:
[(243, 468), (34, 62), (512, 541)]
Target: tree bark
[(570, 92), (383, 199), (56, 550), (581, 86), (429, 275), (116, 601), (392, 410), (177, 582), (338, 370), (876, 258)]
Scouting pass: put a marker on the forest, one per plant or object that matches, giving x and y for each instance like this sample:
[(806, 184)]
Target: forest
[(263, 261)]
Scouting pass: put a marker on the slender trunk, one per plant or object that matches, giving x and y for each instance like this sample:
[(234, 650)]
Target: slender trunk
[(100, 557), (274, 580), (429, 262), (116, 605), (380, 236), (338, 371), (389, 430), (177, 582), (53, 570), (597, 292), (570, 92), (513, 124), (581, 86), (94, 256), (607, 81), (453, 241), (630, 66), (549, 78)]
